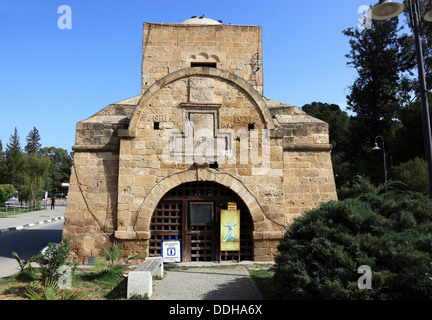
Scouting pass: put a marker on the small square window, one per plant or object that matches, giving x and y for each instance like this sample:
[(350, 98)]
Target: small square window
[(251, 126), (156, 126), (201, 213)]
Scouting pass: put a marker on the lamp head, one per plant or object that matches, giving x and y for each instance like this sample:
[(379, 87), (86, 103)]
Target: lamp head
[(375, 147), (428, 16), (387, 9)]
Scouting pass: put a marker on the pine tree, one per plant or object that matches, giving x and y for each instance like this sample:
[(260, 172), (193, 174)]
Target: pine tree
[(384, 60), (14, 143), (381, 57), (33, 144)]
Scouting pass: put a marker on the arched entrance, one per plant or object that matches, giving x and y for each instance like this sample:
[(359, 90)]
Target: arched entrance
[(191, 212)]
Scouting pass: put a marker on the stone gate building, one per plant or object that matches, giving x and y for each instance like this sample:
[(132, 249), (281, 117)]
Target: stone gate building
[(200, 135)]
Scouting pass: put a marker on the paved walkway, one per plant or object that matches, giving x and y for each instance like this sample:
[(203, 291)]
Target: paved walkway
[(30, 219), (230, 282)]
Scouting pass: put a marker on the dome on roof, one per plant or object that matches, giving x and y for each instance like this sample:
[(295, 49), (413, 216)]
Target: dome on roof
[(196, 20)]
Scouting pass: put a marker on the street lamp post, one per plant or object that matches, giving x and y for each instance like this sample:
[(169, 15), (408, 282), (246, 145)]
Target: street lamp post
[(389, 9), (375, 147)]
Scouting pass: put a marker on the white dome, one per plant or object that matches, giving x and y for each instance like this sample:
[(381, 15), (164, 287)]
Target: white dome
[(200, 21)]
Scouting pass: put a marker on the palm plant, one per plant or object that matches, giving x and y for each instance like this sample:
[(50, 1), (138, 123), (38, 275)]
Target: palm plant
[(23, 263), (52, 292), (109, 261)]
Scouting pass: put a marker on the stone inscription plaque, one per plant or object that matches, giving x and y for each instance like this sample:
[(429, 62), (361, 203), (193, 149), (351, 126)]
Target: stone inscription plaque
[(201, 90), (201, 121)]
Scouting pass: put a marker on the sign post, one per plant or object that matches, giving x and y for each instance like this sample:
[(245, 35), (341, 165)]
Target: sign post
[(171, 250)]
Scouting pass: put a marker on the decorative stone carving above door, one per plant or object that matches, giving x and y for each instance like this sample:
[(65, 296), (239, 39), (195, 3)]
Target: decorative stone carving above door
[(201, 90)]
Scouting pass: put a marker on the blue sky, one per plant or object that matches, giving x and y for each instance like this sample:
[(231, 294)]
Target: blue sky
[(51, 78)]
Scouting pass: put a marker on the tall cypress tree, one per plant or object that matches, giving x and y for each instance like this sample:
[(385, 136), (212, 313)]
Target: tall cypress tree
[(381, 57), (384, 59), (33, 142), (14, 142), (11, 167)]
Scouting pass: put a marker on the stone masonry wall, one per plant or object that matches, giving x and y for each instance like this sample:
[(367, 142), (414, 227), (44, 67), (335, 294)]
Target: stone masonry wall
[(171, 47), (91, 212)]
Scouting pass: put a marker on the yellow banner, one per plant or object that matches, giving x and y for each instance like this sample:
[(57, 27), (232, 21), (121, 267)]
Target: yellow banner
[(230, 230)]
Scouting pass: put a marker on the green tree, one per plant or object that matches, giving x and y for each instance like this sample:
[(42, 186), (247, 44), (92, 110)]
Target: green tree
[(384, 60), (35, 174), (381, 57), (33, 141), (6, 192), (60, 167), (14, 142), (11, 168), (414, 174)]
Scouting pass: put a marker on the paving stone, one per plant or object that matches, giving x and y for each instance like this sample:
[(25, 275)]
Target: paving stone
[(206, 284)]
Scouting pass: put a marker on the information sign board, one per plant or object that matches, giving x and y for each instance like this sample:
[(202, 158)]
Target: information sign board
[(171, 250)]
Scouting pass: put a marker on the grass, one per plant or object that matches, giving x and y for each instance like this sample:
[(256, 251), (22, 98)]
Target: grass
[(91, 286), (106, 286), (263, 277), (11, 211)]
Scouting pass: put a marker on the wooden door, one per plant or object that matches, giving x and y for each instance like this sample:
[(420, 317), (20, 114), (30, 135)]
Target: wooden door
[(200, 231)]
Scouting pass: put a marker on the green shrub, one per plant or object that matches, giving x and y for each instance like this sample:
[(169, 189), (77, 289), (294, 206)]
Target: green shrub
[(414, 174), (391, 233), (107, 263), (6, 191), (110, 259), (359, 186), (53, 258)]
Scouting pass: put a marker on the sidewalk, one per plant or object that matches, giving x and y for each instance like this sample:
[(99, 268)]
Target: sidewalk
[(226, 283), (30, 219)]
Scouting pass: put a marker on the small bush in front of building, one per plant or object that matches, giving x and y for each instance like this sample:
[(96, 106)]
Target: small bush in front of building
[(391, 233), (109, 261), (53, 258)]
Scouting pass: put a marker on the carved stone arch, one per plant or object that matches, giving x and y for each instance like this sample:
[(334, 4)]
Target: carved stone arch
[(149, 204), (204, 71)]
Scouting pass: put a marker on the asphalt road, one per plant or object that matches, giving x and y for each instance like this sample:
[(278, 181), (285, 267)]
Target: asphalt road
[(26, 242)]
